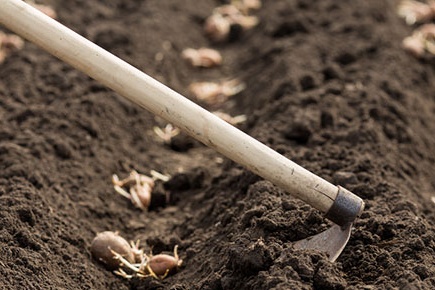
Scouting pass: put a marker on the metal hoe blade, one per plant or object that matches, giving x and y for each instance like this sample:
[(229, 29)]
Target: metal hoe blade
[(332, 241), (345, 209)]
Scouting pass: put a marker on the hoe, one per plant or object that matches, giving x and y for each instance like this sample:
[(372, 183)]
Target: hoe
[(339, 205)]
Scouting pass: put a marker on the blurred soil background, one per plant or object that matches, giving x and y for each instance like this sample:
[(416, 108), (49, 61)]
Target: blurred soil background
[(328, 86)]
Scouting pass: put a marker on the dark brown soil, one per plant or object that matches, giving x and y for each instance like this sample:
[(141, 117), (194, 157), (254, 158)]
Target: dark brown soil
[(328, 85)]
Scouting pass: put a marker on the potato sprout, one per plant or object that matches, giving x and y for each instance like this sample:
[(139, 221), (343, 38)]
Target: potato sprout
[(216, 93)]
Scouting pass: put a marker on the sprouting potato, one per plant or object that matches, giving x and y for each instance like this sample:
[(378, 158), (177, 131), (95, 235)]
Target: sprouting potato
[(216, 93), (217, 27), (105, 243), (422, 40), (202, 57), (236, 16), (140, 188), (158, 266), (207, 91), (167, 133), (415, 11)]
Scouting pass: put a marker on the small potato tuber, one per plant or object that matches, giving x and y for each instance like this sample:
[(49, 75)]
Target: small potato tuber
[(106, 242)]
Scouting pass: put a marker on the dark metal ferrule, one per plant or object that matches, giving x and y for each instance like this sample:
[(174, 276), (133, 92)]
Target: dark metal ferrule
[(346, 208)]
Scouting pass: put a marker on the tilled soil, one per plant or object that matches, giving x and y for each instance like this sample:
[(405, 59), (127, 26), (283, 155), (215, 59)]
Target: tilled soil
[(328, 86)]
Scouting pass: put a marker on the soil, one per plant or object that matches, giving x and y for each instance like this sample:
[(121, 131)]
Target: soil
[(328, 86)]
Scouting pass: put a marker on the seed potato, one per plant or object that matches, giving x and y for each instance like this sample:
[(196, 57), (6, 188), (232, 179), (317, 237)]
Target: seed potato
[(106, 241)]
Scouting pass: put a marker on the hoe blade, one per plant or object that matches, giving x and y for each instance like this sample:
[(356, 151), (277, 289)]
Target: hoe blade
[(332, 241)]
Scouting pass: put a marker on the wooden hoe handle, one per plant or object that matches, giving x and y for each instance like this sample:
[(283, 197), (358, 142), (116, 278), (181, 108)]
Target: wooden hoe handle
[(340, 205)]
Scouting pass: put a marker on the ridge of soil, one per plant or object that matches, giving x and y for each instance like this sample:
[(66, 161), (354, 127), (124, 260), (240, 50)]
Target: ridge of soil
[(328, 86)]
